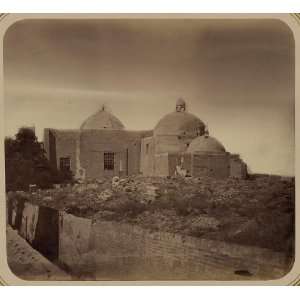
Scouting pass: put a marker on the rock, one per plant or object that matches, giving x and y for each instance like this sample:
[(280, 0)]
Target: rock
[(71, 196), (150, 193), (180, 171), (32, 188), (115, 181), (92, 186), (73, 204), (105, 195), (83, 208), (47, 198), (246, 232), (123, 181), (80, 188), (108, 215), (205, 222)]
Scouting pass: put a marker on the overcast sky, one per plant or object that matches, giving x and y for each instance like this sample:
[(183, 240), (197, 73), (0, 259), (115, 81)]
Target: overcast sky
[(236, 75)]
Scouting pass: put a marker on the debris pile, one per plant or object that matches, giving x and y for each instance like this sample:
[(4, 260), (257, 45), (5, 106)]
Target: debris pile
[(257, 211)]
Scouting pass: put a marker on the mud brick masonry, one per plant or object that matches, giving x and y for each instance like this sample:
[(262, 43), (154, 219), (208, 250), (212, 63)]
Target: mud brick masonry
[(179, 144), (91, 249)]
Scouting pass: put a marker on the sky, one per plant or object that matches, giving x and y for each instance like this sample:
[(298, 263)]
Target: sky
[(237, 76)]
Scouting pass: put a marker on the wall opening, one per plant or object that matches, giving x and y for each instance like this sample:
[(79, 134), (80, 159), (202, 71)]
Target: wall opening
[(65, 163), (109, 163)]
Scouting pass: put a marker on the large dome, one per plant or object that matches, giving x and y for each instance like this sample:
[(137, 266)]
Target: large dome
[(102, 120), (180, 123), (205, 144)]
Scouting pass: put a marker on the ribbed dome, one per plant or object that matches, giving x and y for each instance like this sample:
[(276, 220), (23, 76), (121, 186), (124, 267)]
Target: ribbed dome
[(181, 124), (102, 120), (205, 144)]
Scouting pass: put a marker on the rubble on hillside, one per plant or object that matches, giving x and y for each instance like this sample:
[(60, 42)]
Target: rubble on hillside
[(258, 212)]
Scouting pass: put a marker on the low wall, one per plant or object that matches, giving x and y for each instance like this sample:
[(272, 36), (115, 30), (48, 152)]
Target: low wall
[(128, 251), (106, 250), (38, 225), (75, 247)]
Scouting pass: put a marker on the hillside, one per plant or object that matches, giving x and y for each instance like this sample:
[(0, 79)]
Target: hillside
[(258, 211)]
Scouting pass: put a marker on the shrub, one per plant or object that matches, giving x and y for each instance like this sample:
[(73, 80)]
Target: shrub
[(124, 206), (26, 163)]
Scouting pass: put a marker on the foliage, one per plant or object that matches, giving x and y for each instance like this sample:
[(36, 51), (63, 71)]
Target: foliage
[(127, 206), (26, 163)]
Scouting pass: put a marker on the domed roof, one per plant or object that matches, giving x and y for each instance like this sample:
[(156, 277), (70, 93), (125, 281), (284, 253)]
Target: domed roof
[(205, 144), (180, 123), (102, 119)]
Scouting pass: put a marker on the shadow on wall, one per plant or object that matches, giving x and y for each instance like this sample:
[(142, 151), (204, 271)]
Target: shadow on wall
[(38, 225), (103, 250)]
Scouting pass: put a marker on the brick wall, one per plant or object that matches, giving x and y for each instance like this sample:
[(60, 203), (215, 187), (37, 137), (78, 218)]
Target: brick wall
[(238, 168), (125, 144), (86, 148), (75, 249), (161, 164), (66, 147), (170, 143), (50, 146), (147, 156), (208, 164), (107, 250), (126, 251)]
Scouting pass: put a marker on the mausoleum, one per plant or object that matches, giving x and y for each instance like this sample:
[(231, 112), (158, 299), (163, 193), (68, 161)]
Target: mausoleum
[(178, 145)]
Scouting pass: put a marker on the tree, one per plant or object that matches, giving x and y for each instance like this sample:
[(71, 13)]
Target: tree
[(26, 163)]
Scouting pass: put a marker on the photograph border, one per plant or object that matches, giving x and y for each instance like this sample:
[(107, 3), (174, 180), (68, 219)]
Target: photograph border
[(292, 20)]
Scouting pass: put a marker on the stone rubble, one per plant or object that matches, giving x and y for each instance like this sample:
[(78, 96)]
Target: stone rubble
[(229, 209)]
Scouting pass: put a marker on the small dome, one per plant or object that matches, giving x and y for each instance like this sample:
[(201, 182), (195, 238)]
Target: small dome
[(102, 120), (205, 144)]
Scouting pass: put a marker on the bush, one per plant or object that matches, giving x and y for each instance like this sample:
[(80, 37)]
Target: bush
[(124, 206), (25, 164)]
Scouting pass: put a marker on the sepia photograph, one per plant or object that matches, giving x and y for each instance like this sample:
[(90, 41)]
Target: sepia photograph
[(149, 148)]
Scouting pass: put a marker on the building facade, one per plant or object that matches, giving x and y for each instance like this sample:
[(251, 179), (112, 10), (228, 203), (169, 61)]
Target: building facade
[(178, 145)]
